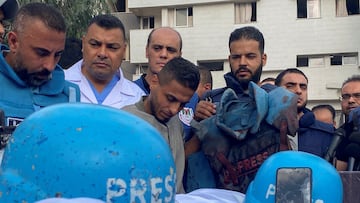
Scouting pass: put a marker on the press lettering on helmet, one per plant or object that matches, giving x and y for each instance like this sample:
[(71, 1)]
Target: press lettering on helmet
[(76, 150), (116, 187)]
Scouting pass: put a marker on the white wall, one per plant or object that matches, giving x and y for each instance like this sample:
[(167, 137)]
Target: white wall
[(285, 38)]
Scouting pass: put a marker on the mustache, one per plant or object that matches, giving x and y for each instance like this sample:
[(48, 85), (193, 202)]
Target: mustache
[(37, 78), (242, 68), (105, 61), (44, 72), (25, 75)]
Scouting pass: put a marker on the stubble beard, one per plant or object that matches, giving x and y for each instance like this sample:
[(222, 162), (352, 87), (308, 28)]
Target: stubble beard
[(30, 79), (244, 83)]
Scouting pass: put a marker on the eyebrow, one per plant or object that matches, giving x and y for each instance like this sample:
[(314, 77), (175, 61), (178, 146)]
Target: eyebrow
[(101, 42), (163, 46), (295, 83)]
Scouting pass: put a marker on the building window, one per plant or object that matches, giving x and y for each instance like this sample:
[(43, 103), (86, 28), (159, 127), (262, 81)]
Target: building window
[(344, 59), (316, 62), (336, 60), (147, 22), (310, 61), (327, 60), (245, 12), (350, 60), (302, 61), (347, 7), (212, 65), (184, 17), (308, 8), (121, 5)]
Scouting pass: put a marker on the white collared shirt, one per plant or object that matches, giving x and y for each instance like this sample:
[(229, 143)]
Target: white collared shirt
[(124, 93)]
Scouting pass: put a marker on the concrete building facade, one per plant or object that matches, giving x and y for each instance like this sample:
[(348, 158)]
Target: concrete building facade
[(320, 37)]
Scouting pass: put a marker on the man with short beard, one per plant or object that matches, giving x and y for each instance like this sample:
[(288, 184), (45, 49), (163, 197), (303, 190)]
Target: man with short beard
[(246, 60), (236, 114), (29, 75), (313, 136)]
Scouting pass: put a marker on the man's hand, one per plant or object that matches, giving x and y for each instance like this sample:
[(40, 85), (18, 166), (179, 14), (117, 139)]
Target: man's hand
[(340, 165), (192, 146), (204, 109)]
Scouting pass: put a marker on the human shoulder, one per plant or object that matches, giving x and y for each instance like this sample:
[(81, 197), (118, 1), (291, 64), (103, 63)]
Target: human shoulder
[(175, 120), (128, 87), (141, 82), (130, 108), (72, 90), (214, 95), (138, 109), (74, 72)]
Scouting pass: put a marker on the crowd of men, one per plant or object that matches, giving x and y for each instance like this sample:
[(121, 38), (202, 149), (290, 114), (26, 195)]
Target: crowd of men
[(216, 136)]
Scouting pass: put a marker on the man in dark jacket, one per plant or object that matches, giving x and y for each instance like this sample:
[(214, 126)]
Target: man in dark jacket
[(350, 106), (313, 136), (239, 126)]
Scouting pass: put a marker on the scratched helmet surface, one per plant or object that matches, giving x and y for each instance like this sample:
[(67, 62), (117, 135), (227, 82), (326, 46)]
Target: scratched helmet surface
[(264, 187), (84, 150)]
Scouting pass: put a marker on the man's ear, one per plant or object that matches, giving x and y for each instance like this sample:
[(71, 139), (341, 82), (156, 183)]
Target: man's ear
[(147, 52), (154, 81), (83, 42), (207, 86), (12, 40), (264, 59)]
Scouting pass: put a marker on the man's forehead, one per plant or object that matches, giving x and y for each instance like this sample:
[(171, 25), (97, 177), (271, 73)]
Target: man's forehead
[(248, 44), (165, 38), (294, 78), (321, 110), (106, 39), (165, 32), (351, 87)]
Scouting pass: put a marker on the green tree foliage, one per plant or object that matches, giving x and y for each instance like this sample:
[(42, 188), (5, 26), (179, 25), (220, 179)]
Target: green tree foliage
[(77, 13)]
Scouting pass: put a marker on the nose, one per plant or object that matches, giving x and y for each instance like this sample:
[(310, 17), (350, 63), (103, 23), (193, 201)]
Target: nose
[(298, 89), (243, 61), (351, 99), (175, 107), (164, 53), (50, 63), (102, 52)]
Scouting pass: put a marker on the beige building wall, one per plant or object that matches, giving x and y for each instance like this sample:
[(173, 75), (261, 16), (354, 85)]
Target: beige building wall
[(286, 37)]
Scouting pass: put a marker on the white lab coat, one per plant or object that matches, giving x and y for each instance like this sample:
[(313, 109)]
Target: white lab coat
[(124, 93)]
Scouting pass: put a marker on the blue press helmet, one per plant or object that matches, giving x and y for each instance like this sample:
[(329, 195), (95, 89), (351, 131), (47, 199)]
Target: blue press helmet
[(295, 175), (84, 150)]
